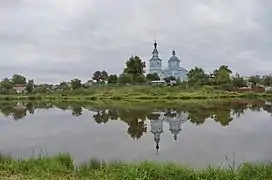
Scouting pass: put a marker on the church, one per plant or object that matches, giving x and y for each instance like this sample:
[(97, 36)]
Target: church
[(174, 69), (175, 122)]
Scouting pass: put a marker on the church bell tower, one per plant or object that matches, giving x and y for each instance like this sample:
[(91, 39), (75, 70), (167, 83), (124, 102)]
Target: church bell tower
[(155, 63)]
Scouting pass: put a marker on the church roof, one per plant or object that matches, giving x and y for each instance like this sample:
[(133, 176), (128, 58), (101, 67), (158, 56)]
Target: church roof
[(155, 53), (174, 57)]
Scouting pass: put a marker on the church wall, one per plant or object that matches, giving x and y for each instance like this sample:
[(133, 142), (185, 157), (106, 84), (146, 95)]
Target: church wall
[(182, 75)]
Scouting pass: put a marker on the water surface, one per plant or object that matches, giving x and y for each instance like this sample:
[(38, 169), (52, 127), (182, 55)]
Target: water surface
[(194, 135)]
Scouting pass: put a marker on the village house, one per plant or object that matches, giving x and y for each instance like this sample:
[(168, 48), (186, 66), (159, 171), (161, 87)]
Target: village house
[(19, 88)]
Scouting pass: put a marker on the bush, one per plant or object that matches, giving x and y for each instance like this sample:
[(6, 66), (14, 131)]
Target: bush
[(226, 87)]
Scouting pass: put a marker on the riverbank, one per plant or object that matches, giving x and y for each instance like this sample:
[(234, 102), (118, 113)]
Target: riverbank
[(62, 167), (136, 97), (134, 104)]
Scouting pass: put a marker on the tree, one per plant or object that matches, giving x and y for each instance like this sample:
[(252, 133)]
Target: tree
[(152, 77), (125, 78), (18, 79), (112, 79), (238, 81), (197, 77), (30, 86), (140, 78), (104, 76), (6, 84), (76, 83), (222, 75), (267, 80), (255, 80), (97, 76), (135, 67), (63, 86)]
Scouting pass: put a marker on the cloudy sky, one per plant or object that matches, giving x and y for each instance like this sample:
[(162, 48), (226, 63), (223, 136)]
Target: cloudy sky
[(55, 40)]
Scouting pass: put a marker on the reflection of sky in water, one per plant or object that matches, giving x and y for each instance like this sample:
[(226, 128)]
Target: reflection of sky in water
[(57, 131)]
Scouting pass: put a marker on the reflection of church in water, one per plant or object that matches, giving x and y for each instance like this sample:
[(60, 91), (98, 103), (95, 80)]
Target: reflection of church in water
[(175, 122)]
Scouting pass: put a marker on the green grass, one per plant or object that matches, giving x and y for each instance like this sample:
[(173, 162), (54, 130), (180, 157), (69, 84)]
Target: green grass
[(137, 93), (62, 167)]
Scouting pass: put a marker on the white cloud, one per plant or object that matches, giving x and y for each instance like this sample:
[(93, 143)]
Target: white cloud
[(73, 38)]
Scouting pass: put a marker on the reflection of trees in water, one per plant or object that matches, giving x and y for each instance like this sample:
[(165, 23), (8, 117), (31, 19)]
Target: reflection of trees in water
[(6, 110), (238, 109), (30, 108), (136, 118), (19, 114), (198, 115), (222, 116), (77, 111), (101, 116)]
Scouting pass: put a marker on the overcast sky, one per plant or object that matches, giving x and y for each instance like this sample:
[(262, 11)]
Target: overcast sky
[(55, 40)]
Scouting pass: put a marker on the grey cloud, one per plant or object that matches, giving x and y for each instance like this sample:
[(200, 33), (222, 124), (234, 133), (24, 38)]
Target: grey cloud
[(59, 40)]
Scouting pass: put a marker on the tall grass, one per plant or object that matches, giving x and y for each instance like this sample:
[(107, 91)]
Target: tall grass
[(62, 167), (134, 93)]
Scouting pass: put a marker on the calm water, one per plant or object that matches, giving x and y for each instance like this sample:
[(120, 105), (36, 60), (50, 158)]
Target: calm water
[(192, 135)]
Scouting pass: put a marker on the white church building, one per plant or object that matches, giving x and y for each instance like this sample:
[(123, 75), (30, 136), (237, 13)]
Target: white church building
[(174, 69)]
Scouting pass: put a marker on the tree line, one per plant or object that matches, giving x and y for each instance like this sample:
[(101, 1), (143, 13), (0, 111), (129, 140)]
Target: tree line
[(134, 73)]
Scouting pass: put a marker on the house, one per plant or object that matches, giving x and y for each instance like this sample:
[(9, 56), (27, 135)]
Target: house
[(19, 88)]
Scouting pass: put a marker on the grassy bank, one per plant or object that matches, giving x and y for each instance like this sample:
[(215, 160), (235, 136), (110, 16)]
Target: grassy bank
[(137, 93), (62, 167)]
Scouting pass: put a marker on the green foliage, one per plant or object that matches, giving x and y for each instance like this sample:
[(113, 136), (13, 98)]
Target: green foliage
[(140, 79), (18, 79), (100, 76), (267, 80), (30, 86), (238, 81), (255, 80), (226, 87), (104, 76), (152, 77), (197, 77), (222, 75), (42, 88), (97, 76), (62, 167), (112, 79), (63, 86), (135, 67), (6, 84), (76, 83), (125, 78)]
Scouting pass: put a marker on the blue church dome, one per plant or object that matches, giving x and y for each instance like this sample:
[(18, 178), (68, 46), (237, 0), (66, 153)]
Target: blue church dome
[(174, 57)]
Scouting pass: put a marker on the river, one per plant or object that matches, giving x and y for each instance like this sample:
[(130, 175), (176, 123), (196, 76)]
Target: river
[(217, 134)]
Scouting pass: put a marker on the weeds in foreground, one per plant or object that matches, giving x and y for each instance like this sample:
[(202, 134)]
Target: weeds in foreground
[(62, 167)]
